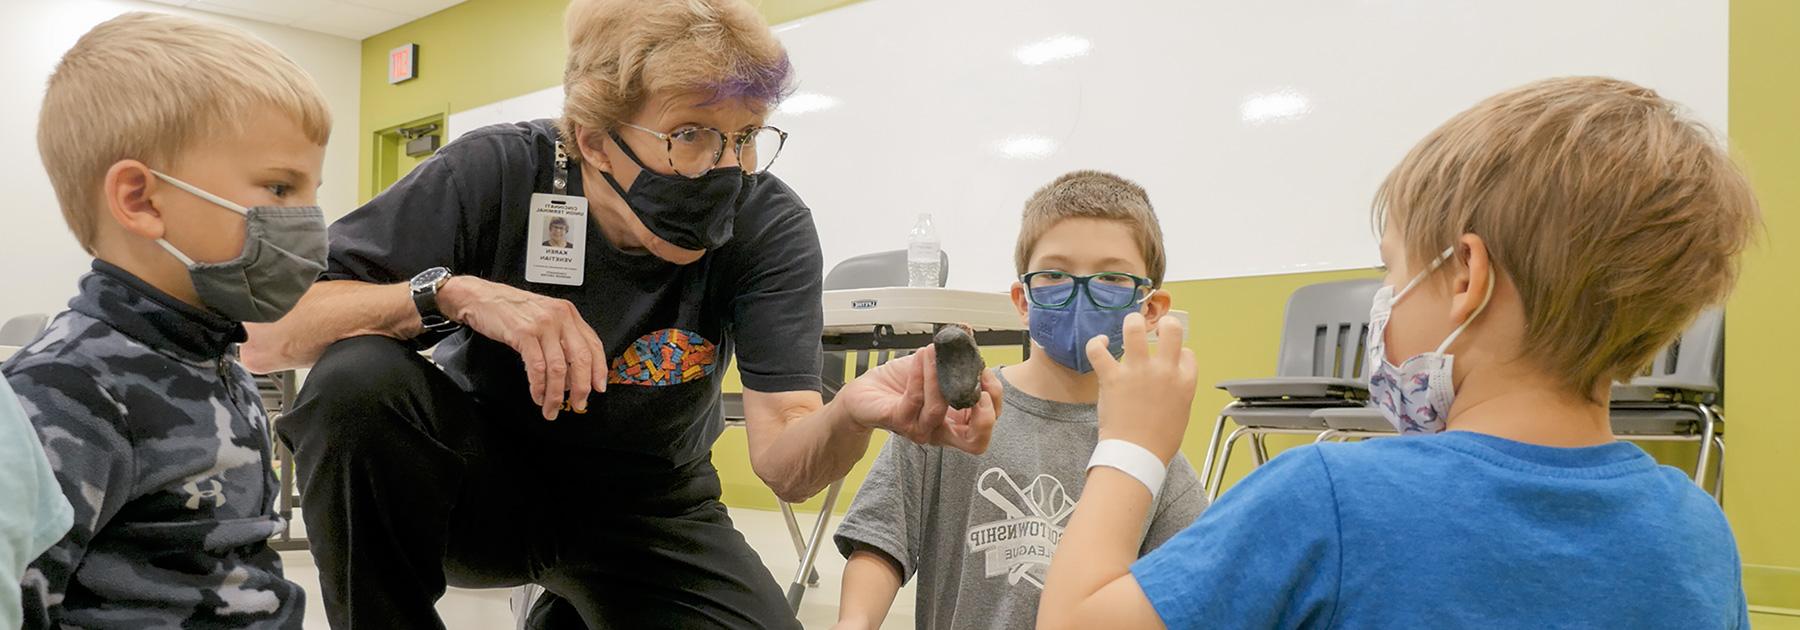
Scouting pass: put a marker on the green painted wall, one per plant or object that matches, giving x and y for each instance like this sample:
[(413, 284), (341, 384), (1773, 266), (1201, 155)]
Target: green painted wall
[(1762, 353), (480, 52), (471, 54), (484, 51)]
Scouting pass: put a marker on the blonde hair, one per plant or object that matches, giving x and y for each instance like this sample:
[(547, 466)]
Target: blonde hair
[(1092, 195), (622, 52), (1616, 216), (146, 86)]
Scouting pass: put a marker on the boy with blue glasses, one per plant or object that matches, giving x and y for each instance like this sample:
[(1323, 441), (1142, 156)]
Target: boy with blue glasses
[(979, 530)]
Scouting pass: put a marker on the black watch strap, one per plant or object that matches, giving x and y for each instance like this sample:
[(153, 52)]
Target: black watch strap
[(425, 301)]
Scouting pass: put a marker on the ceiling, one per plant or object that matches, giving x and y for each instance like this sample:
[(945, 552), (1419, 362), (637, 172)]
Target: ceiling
[(354, 19)]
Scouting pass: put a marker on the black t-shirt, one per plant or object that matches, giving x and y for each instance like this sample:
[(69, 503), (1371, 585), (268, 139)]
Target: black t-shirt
[(669, 330)]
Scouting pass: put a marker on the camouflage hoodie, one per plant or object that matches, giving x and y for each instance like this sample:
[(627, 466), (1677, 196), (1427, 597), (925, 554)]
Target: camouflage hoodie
[(157, 437)]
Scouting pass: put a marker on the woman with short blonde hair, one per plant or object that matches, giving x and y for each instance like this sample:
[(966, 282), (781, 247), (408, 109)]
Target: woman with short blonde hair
[(415, 477)]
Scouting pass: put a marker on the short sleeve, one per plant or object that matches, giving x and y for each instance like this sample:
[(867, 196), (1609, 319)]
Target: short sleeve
[(36, 514), (885, 514), (425, 220), (776, 309), (80, 427), (1182, 500), (1266, 555)]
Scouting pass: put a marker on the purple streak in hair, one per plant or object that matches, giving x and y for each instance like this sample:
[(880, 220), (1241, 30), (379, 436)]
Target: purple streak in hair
[(762, 83)]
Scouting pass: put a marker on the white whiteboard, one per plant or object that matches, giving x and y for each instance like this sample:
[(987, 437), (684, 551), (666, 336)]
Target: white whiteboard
[(1260, 128)]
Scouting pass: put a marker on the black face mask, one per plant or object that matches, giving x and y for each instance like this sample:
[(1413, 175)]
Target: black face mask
[(692, 213)]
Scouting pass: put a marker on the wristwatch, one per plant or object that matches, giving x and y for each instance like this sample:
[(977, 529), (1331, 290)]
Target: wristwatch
[(424, 295)]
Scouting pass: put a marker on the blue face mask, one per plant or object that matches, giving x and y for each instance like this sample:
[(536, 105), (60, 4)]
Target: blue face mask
[(1064, 332)]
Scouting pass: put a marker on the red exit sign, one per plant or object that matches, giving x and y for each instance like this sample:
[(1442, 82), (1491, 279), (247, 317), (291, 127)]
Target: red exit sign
[(403, 63)]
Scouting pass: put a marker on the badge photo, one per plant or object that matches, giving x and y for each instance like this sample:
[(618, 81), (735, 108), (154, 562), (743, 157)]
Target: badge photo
[(556, 239)]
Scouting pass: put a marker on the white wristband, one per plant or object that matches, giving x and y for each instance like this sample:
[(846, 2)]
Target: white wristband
[(1133, 460)]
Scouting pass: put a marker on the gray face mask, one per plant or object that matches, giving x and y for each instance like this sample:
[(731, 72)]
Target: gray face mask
[(284, 251)]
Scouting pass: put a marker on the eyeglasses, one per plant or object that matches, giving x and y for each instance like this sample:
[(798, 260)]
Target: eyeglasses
[(1109, 290), (694, 150)]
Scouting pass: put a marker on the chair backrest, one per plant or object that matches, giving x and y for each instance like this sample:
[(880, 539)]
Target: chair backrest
[(880, 269), (20, 330), (1325, 329), (1696, 356)]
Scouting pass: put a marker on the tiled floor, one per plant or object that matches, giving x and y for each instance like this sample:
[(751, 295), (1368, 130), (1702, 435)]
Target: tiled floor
[(489, 609)]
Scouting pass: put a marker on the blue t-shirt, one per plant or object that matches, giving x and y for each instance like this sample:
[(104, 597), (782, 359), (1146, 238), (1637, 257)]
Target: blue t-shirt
[(1453, 530)]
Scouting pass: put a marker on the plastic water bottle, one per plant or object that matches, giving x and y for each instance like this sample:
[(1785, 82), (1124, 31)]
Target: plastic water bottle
[(923, 265)]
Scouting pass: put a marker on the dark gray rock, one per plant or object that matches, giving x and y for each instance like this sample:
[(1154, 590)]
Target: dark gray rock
[(959, 366)]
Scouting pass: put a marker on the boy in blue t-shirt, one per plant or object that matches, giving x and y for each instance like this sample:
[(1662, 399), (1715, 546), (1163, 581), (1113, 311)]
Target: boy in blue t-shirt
[(1539, 246)]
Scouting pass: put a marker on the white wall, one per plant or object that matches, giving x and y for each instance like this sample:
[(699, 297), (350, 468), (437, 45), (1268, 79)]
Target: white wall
[(1261, 128), (39, 259)]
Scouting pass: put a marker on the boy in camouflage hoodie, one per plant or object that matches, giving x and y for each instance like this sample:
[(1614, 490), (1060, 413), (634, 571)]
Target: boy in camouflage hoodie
[(185, 157)]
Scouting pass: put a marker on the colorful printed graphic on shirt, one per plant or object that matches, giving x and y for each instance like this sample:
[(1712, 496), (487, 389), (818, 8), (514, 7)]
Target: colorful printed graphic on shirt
[(670, 356), (1020, 545)]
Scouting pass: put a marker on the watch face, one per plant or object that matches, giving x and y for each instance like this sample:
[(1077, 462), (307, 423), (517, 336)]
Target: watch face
[(428, 278)]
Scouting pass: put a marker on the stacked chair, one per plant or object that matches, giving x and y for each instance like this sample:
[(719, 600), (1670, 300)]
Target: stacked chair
[(1320, 367), (1677, 399), (277, 391)]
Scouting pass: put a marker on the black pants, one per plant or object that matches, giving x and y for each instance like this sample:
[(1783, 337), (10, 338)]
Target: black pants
[(407, 486)]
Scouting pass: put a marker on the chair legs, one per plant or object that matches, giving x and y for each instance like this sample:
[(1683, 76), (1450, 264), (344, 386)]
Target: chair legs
[(798, 538), (1213, 479), (1212, 485), (1719, 474), (1708, 430), (808, 575), (286, 501), (1710, 438), (807, 548), (289, 497), (1259, 447), (1212, 446)]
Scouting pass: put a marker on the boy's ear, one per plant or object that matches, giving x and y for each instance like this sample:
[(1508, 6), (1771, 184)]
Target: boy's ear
[(1019, 302), (126, 191), (1472, 278), (1156, 306)]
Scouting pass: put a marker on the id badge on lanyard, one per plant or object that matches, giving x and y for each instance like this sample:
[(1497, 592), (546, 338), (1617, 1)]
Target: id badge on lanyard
[(556, 235)]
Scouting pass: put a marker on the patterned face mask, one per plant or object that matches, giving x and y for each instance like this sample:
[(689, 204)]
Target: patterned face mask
[(1415, 396)]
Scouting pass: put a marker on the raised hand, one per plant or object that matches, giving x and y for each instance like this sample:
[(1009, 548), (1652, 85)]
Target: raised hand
[(1145, 398)]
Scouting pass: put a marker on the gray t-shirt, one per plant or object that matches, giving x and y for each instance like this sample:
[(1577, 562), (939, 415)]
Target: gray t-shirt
[(979, 530)]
